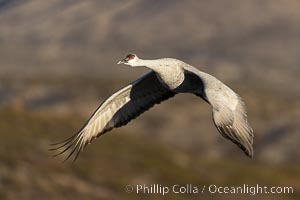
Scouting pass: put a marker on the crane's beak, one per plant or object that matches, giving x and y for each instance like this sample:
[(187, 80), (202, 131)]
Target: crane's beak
[(122, 61)]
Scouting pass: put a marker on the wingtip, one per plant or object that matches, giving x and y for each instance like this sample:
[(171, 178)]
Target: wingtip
[(250, 156), (250, 152)]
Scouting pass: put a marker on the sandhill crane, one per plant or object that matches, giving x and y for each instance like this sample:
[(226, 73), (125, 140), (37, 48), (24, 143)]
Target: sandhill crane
[(167, 77)]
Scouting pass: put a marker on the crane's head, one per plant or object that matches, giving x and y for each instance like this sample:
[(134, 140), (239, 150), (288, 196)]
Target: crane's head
[(130, 59)]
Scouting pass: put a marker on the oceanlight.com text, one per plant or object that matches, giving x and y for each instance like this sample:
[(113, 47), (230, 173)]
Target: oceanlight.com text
[(211, 189)]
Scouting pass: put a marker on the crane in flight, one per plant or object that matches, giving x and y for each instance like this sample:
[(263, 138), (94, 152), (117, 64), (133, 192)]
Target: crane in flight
[(168, 77)]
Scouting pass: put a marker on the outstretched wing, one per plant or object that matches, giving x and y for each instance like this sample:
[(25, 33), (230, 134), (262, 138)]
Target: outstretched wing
[(232, 124), (120, 108), (229, 111)]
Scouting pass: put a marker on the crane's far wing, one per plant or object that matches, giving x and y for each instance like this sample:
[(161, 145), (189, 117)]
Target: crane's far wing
[(229, 111), (233, 125), (120, 108)]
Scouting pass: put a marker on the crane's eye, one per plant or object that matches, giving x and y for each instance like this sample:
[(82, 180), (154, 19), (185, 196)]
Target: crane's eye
[(130, 56)]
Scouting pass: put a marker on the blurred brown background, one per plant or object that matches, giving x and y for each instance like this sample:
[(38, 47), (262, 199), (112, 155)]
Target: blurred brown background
[(58, 63)]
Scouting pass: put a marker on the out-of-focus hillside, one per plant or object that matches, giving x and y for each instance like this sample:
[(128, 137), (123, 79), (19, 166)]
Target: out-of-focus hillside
[(58, 63), (28, 171), (254, 41)]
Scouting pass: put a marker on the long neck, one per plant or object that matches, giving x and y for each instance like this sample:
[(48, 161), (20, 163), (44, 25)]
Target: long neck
[(151, 64)]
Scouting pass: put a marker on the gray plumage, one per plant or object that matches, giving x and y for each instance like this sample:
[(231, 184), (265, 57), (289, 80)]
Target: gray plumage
[(167, 78)]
